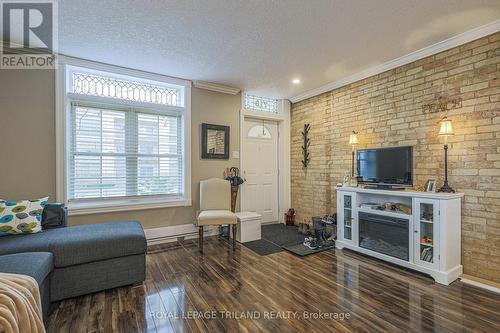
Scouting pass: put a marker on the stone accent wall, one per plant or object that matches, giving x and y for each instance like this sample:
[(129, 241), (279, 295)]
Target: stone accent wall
[(387, 110)]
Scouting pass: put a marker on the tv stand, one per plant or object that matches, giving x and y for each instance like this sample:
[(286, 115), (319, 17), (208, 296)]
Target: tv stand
[(432, 228)]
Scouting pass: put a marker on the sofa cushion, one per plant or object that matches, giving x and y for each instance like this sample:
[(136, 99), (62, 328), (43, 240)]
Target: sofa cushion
[(38, 265), (81, 244)]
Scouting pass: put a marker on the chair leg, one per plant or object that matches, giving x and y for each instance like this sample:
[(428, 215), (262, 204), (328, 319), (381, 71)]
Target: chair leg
[(234, 236), (200, 238)]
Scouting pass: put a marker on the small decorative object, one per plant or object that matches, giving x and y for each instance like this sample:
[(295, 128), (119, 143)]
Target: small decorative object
[(347, 179), (445, 131), (214, 141), (305, 147), (403, 208), (290, 217), (353, 141), (233, 175), (443, 104), (390, 206), (428, 215), (426, 240), (430, 185)]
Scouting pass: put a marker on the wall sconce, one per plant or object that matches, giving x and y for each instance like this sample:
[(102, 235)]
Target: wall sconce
[(353, 141), (446, 130)]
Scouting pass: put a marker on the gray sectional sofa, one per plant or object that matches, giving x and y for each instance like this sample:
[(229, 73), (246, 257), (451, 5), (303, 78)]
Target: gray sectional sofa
[(73, 261)]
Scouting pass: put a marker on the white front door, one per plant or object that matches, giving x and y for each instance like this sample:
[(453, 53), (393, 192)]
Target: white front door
[(260, 168)]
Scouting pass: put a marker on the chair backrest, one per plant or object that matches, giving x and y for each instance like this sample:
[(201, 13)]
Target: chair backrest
[(215, 194)]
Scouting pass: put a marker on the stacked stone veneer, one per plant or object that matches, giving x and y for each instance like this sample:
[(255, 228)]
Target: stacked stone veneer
[(388, 110)]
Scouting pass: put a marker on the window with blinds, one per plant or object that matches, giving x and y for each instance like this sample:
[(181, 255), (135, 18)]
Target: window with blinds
[(125, 138), (124, 153)]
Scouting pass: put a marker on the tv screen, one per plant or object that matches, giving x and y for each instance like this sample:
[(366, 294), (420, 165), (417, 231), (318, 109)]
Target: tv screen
[(386, 166)]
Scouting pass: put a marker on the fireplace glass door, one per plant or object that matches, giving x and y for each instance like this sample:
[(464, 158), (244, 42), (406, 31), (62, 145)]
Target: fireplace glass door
[(384, 234)]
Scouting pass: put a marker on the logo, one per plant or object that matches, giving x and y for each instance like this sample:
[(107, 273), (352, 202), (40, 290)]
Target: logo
[(29, 34)]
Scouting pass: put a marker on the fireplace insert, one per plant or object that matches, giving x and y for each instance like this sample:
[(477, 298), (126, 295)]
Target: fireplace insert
[(384, 234)]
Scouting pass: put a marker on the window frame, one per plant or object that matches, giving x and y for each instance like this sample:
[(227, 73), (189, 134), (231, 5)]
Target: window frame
[(64, 99), (264, 110)]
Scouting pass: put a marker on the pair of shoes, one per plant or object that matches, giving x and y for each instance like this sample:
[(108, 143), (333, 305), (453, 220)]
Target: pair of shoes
[(311, 243)]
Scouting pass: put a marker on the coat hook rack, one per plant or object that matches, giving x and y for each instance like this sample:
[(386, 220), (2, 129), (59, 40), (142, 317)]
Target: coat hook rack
[(305, 147)]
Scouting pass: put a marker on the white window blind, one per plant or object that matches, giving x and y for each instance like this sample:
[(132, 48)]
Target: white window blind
[(124, 153)]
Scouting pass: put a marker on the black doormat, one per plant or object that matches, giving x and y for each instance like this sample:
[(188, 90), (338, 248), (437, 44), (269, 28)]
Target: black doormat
[(281, 234), (278, 237), (263, 247)]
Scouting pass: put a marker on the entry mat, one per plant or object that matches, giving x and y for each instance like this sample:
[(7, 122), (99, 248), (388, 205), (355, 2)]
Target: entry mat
[(278, 237)]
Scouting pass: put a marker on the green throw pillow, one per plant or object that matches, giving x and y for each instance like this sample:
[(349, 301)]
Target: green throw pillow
[(21, 217)]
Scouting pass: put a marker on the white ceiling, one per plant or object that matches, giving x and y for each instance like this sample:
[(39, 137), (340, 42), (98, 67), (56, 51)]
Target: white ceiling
[(260, 45)]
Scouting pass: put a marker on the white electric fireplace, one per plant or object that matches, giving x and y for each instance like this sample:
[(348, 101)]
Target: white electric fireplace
[(427, 239)]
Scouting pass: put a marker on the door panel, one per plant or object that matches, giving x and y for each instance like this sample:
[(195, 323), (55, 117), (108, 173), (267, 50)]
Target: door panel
[(347, 219), (260, 169), (426, 224)]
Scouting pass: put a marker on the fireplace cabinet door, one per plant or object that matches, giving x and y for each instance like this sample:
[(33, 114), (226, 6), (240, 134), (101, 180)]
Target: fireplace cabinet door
[(426, 225), (347, 219)]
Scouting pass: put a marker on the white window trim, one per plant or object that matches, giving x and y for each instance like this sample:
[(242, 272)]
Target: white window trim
[(63, 105)]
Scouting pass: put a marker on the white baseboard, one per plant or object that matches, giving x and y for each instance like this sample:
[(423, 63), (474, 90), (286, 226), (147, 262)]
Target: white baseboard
[(171, 233), (477, 283)]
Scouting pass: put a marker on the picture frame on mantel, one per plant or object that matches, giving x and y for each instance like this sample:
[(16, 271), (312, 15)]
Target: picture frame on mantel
[(214, 141), (430, 185)]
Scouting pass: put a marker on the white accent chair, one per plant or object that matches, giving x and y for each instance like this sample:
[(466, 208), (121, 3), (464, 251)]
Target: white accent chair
[(215, 207)]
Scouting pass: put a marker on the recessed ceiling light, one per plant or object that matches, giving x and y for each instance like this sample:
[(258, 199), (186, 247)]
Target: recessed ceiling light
[(296, 81)]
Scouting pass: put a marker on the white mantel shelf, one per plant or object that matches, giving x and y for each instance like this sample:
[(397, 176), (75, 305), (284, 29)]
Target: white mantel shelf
[(403, 193)]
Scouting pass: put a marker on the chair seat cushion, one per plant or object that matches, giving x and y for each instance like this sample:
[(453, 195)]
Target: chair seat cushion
[(216, 217), (38, 265), (81, 244)]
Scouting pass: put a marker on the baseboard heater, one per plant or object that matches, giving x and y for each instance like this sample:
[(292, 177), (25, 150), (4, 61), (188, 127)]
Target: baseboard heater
[(178, 236)]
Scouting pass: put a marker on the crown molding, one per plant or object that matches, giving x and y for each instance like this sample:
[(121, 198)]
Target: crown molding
[(216, 87), (444, 45)]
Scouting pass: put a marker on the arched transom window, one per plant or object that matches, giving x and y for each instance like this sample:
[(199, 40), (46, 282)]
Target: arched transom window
[(260, 132)]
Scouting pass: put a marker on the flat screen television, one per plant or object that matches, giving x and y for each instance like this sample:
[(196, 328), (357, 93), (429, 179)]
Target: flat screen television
[(386, 167)]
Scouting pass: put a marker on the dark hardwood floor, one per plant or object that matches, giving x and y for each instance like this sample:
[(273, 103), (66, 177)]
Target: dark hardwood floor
[(188, 292)]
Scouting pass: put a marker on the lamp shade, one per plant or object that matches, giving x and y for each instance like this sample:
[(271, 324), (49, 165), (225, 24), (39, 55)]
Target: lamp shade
[(353, 138), (446, 128)]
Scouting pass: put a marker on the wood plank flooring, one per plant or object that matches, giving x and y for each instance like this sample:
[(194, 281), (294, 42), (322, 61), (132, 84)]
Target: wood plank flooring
[(222, 291)]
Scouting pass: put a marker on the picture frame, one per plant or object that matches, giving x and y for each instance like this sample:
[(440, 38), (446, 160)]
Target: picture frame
[(347, 180), (214, 141), (430, 185)]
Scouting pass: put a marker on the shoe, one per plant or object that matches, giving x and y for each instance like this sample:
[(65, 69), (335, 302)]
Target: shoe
[(311, 243), (307, 241)]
